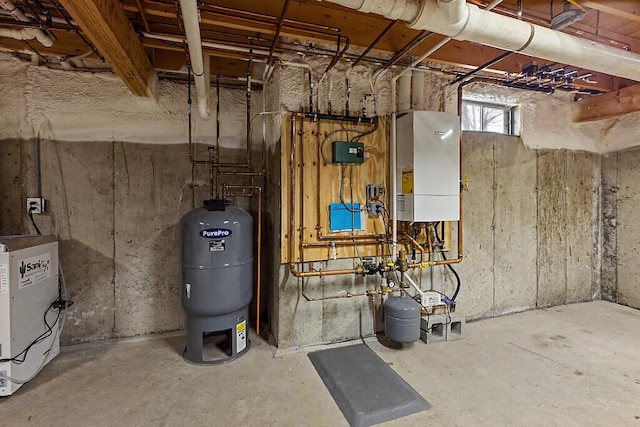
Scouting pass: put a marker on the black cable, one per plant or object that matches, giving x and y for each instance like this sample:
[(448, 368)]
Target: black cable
[(33, 222), (362, 135), (444, 257), (22, 356), (342, 178)]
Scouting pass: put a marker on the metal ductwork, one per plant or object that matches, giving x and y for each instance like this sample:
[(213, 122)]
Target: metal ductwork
[(463, 21), (200, 72)]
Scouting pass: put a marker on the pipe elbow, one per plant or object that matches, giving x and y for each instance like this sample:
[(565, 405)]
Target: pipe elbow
[(44, 38), (446, 17), (203, 108)]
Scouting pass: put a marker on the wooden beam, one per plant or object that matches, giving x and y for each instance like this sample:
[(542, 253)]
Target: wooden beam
[(105, 23), (622, 9), (609, 105)]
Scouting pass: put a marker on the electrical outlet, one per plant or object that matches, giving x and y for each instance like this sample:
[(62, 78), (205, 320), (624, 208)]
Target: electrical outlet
[(35, 205), (3, 381)]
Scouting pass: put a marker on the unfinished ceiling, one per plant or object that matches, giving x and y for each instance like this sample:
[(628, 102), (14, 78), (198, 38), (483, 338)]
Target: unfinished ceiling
[(141, 39)]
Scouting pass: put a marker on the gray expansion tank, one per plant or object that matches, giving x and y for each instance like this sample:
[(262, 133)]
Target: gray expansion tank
[(402, 319), (216, 277)]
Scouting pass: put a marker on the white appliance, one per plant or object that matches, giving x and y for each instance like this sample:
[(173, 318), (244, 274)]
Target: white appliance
[(428, 166), (28, 289)]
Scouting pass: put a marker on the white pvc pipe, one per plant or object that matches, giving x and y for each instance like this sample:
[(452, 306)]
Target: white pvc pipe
[(212, 45), (27, 33), (416, 287), (463, 21), (192, 30)]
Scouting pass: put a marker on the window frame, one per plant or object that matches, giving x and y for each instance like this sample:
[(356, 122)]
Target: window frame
[(510, 116)]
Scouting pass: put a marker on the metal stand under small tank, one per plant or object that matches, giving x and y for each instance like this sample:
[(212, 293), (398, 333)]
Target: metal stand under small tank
[(216, 278)]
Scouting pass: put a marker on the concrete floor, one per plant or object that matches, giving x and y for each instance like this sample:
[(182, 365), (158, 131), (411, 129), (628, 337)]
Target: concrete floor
[(568, 365)]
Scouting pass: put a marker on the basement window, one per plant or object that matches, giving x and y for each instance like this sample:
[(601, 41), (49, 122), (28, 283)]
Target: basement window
[(486, 117)]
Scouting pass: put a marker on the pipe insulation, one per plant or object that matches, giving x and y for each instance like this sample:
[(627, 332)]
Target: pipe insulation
[(27, 33), (463, 21), (191, 20)]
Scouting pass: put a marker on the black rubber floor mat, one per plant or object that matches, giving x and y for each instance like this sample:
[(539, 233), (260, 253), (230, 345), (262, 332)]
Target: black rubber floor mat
[(365, 388)]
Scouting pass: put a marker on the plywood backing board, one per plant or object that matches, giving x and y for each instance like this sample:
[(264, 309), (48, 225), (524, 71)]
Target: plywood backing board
[(320, 183)]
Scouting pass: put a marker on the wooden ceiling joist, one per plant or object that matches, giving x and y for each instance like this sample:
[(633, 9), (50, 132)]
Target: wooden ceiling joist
[(609, 105), (105, 23), (624, 9)]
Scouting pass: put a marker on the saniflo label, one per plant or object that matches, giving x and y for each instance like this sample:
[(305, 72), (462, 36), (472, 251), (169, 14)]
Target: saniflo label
[(215, 233), (33, 270), (241, 335), (4, 278)]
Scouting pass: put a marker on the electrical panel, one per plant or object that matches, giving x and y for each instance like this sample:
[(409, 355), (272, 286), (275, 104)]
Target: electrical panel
[(28, 287), (428, 166), (347, 152)]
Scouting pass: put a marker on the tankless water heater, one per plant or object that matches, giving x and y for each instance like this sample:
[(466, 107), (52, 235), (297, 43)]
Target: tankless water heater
[(428, 166)]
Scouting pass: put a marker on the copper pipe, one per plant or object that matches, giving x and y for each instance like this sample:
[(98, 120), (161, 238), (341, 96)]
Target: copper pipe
[(292, 193), (435, 263), (218, 118), (430, 244), (323, 238), (415, 245), (301, 227), (259, 243), (211, 177), (339, 243), (248, 156), (374, 42), (278, 28), (237, 173), (323, 273), (375, 317), (371, 292), (337, 56), (189, 114)]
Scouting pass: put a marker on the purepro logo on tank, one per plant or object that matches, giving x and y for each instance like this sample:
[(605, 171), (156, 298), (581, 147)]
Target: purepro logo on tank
[(215, 233)]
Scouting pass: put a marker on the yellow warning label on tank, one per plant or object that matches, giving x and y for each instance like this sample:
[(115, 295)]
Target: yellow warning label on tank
[(241, 336), (407, 181)]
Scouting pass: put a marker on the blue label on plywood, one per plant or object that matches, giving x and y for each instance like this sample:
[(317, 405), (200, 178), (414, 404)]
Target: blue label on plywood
[(345, 217)]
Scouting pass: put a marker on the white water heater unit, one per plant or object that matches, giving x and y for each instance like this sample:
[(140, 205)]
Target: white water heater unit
[(29, 319), (428, 166)]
